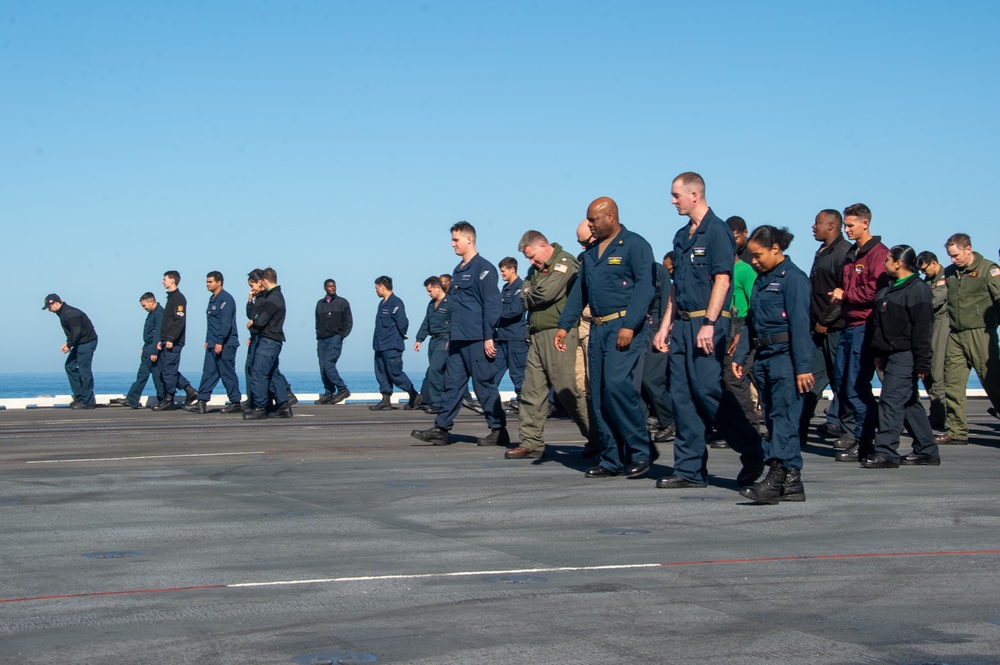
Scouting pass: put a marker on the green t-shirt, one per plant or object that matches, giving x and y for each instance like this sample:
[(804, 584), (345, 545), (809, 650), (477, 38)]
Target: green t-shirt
[(743, 278)]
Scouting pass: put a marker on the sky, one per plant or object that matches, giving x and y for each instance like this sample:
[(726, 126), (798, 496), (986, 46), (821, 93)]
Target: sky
[(343, 139)]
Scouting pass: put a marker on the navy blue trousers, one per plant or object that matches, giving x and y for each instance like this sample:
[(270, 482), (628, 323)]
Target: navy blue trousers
[(618, 414), (511, 357), (328, 350), (79, 371), (147, 368), (265, 379), (170, 369), (432, 390), (700, 403), (216, 367), (389, 372), (782, 405), (656, 385), (466, 359), (899, 407)]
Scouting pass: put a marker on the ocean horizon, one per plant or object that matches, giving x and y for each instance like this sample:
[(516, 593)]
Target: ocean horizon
[(21, 385)]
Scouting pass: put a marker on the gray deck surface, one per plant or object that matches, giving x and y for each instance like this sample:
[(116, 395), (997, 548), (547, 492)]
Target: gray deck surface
[(124, 532)]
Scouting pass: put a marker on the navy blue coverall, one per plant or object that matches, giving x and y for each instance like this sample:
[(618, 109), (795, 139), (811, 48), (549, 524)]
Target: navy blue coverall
[(391, 325), (221, 331), (618, 283), (778, 328), (475, 310), (437, 326), (696, 377), (150, 335), (512, 335)]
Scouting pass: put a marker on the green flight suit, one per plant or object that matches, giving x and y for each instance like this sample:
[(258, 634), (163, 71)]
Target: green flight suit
[(934, 381), (973, 294), (544, 295)]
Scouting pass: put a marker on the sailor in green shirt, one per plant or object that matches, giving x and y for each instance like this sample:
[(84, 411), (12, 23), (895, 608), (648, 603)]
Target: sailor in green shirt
[(973, 295)]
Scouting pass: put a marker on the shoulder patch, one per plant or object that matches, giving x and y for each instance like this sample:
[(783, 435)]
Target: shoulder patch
[(483, 274), (995, 272), (560, 267), (941, 282)]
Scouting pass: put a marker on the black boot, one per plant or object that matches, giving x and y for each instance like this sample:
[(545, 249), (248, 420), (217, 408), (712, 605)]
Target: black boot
[(284, 410), (292, 399), (767, 490), (191, 395), (255, 414), (414, 400), (496, 437), (167, 404), (792, 489), (436, 436), (232, 407), (849, 454), (341, 395), (325, 398), (201, 406), (383, 405)]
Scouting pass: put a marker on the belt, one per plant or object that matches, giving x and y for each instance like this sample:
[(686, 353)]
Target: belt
[(600, 320), (687, 316), (440, 335), (767, 342)]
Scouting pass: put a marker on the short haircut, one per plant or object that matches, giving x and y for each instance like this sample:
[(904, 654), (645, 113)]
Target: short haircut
[(147, 296), (692, 180), (837, 217), (433, 281), (445, 276), (330, 281), (926, 258), (255, 275), (508, 262), (905, 255), (216, 275), (531, 238), (270, 275), (859, 210), (464, 228), (737, 224), (385, 281), (769, 236), (960, 240), (174, 275)]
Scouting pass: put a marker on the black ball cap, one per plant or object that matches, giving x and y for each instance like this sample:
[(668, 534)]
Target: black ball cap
[(51, 298)]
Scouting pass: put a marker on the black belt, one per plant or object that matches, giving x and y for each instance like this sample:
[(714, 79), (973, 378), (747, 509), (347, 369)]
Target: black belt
[(760, 343), (440, 335)]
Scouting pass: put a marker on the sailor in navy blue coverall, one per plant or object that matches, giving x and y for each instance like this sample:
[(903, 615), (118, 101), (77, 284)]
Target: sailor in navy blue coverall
[(778, 332), (616, 280), (703, 268)]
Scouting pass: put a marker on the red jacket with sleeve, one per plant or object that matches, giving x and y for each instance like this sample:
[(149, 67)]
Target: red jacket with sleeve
[(864, 275)]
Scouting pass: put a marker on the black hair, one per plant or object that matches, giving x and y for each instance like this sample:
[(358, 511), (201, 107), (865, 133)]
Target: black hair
[(905, 255), (768, 236), (174, 275), (216, 275), (148, 295), (737, 224), (508, 262), (926, 258), (384, 281)]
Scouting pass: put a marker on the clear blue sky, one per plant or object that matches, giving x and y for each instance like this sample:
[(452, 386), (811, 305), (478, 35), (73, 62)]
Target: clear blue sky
[(342, 139)]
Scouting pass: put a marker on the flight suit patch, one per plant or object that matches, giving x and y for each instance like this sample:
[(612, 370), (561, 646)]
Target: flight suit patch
[(995, 272), (974, 274), (560, 267), (483, 275), (614, 260)]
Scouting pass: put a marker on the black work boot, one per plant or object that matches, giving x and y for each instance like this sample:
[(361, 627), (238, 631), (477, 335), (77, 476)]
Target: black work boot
[(167, 404), (767, 490), (792, 489), (255, 414), (496, 437), (192, 395), (232, 407), (201, 406), (325, 398), (383, 405), (284, 410), (414, 400), (849, 454), (341, 395), (437, 436), (292, 399)]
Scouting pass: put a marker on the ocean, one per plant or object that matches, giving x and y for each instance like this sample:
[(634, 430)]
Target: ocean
[(14, 385)]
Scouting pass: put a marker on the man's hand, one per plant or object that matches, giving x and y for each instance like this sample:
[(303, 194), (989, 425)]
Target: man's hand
[(64, 348), (821, 329), (159, 346), (624, 339), (661, 341), (704, 340), (805, 382), (560, 340), (153, 357), (416, 347), (218, 349), (249, 325), (490, 348), (837, 295), (169, 345), (206, 346), (737, 370)]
